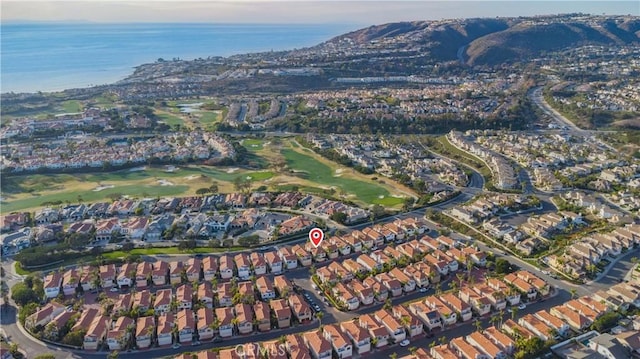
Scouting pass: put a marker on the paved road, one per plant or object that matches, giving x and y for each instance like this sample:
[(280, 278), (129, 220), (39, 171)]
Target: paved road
[(535, 95)]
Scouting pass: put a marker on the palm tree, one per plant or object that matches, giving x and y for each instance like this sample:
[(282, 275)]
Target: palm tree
[(514, 313), (574, 293), (413, 350), (387, 304), (501, 313), (235, 321), (282, 339), (493, 320), (319, 316), (393, 355), (442, 340), (432, 344), (478, 325)]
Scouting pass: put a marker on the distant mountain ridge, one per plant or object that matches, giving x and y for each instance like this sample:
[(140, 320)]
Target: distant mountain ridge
[(491, 41)]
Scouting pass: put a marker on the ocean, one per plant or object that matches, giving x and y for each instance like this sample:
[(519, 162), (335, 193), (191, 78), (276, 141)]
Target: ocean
[(53, 57)]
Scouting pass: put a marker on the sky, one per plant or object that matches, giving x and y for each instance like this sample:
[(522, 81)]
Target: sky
[(365, 12)]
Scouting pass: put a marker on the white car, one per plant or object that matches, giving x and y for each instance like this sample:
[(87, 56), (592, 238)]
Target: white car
[(423, 290), (522, 306), (404, 343), (114, 289)]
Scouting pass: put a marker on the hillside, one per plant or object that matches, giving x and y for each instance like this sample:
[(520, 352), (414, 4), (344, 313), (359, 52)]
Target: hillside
[(493, 41)]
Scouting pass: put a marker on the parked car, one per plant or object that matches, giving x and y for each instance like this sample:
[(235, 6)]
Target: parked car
[(522, 306), (405, 343)]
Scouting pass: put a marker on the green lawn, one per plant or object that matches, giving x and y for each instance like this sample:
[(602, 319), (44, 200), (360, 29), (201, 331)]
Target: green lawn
[(123, 180), (207, 117), (72, 106), (92, 196), (123, 254), (320, 173), (170, 119), (252, 144)]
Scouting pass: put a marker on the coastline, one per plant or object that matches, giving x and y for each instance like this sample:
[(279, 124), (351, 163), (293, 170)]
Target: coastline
[(62, 57)]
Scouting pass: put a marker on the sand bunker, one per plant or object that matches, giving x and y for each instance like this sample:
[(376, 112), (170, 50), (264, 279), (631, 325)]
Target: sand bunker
[(136, 169), (103, 187), (165, 182), (192, 177), (233, 169)]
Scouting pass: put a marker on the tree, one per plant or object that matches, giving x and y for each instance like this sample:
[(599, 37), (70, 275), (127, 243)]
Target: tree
[(503, 266), (75, 338), (514, 313), (387, 304), (605, 322), (478, 324), (113, 355), (319, 316), (45, 356), (393, 355), (574, 293), (23, 295), (339, 217)]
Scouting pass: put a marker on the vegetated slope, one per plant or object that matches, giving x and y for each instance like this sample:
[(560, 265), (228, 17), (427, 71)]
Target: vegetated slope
[(524, 40), (441, 39)]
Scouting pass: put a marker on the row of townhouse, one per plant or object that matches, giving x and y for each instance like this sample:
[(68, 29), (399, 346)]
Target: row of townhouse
[(590, 250), (203, 324), (383, 327), (505, 176), (390, 280)]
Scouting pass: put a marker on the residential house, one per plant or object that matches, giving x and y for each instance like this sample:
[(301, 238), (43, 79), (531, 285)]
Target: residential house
[(205, 294), (192, 270), (299, 307), (210, 268), (282, 312), (339, 341), (319, 347), (145, 327), (162, 303), (186, 325), (263, 316), (282, 285), (225, 317), (166, 322), (274, 262), (244, 314), (288, 257), (360, 337), (205, 323), (243, 265), (119, 335), (377, 331), (160, 273), (265, 287), (346, 296), (393, 326), (227, 266), (44, 315), (52, 285), (107, 276), (225, 295), (144, 271), (478, 302), (96, 333), (258, 263), (485, 345), (411, 323), (448, 316)]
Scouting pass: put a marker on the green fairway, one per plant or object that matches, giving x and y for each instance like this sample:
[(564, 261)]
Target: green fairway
[(320, 173), (72, 106), (144, 183), (207, 117), (169, 119), (92, 196), (252, 144)]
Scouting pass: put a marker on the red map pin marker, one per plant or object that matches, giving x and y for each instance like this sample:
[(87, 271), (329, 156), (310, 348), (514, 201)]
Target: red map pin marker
[(316, 236)]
